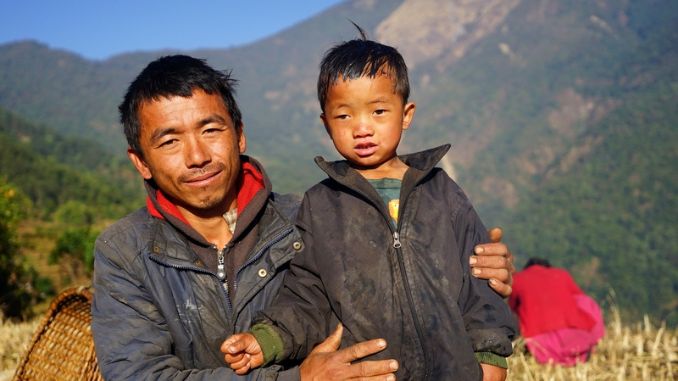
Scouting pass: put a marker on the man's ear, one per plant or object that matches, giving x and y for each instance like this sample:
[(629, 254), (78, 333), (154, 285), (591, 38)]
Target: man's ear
[(139, 163), (242, 139), (408, 114)]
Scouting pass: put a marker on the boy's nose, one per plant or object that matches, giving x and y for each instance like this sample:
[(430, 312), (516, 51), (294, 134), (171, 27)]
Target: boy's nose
[(362, 129)]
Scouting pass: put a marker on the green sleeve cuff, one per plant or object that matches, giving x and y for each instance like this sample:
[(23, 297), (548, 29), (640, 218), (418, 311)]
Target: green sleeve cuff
[(492, 359), (270, 342)]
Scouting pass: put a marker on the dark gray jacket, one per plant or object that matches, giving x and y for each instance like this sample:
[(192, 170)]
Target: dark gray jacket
[(160, 313), (410, 285)]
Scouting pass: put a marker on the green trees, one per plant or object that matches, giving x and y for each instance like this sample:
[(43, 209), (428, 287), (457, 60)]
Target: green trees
[(19, 282)]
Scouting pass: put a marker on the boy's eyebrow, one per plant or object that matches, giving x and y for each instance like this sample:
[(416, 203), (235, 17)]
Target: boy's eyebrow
[(378, 100)]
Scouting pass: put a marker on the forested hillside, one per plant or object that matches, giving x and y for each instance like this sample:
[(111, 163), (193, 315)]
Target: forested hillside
[(562, 116), (51, 170)]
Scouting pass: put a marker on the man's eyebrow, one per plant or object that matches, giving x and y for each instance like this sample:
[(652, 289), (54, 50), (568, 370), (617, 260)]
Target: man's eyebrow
[(214, 118), (159, 133)]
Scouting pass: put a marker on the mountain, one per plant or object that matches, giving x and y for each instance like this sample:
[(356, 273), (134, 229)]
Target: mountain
[(52, 170), (561, 115)]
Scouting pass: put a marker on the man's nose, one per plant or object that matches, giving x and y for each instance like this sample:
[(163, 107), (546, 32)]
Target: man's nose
[(197, 153)]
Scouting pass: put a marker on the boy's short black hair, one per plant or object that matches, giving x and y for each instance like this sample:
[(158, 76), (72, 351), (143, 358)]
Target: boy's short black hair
[(169, 76), (362, 57)]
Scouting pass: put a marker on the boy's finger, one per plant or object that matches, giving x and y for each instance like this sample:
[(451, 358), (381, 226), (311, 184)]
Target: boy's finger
[(233, 344), (230, 359), (244, 363), (242, 370)]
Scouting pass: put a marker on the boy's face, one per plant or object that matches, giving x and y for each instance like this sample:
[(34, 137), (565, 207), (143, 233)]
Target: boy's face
[(365, 118)]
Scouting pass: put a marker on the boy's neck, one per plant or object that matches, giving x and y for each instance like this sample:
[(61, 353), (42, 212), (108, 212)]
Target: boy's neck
[(393, 169)]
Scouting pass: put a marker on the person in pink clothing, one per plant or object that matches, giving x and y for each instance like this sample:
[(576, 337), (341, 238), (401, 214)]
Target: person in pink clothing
[(559, 322)]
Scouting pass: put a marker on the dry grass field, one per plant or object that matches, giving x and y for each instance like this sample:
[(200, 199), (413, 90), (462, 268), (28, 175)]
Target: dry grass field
[(629, 351)]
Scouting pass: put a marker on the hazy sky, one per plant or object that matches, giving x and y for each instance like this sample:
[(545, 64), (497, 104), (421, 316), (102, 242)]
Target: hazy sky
[(98, 29)]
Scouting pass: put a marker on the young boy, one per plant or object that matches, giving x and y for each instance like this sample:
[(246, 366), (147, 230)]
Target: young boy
[(387, 243)]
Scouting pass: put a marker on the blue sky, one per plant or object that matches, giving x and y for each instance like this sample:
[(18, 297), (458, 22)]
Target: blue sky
[(98, 29)]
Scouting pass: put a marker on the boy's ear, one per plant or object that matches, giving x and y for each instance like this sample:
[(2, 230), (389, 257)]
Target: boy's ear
[(139, 164), (408, 114), (323, 118)]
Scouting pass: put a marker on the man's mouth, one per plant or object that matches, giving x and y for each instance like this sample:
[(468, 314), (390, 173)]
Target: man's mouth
[(201, 178)]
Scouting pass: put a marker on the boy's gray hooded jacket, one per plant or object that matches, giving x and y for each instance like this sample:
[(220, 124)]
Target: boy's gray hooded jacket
[(160, 313), (410, 285)]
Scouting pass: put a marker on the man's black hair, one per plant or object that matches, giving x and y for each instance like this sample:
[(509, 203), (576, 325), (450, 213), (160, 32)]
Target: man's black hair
[(362, 57), (537, 261), (169, 76)]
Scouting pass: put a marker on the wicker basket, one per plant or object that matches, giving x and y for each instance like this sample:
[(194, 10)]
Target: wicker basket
[(62, 347)]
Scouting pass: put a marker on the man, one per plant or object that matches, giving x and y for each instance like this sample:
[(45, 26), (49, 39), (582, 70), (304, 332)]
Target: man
[(211, 247)]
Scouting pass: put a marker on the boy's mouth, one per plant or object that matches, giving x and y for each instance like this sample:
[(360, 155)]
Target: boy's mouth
[(365, 149)]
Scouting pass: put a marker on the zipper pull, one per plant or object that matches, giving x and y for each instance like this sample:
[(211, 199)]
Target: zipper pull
[(396, 240), (221, 273)]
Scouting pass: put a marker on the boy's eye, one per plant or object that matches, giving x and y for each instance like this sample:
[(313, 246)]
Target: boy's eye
[(342, 116), (380, 111)]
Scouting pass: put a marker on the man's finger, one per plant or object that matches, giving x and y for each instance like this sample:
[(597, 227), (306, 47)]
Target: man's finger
[(496, 248), (362, 349), (373, 370), (500, 274), (501, 288), (490, 261), (331, 343), (495, 234)]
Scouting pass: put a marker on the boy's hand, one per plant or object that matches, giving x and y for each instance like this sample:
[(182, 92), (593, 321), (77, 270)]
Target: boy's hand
[(494, 261), (242, 352), (325, 362), (493, 373)]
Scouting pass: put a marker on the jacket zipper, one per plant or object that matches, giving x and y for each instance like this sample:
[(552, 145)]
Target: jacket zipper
[(199, 270), (408, 292)]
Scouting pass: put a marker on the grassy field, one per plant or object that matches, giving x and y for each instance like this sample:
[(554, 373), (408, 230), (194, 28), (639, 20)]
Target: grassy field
[(629, 351)]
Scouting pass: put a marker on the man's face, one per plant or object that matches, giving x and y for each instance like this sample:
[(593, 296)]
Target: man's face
[(191, 149), (365, 118)]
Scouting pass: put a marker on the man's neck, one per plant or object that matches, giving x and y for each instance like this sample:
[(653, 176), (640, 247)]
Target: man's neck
[(212, 226)]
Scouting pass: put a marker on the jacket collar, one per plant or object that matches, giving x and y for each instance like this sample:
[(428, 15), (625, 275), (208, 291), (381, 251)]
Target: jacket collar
[(254, 189), (420, 163)]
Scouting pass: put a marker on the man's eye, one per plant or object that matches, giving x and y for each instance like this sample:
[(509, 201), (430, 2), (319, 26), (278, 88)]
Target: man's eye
[(167, 143), (380, 111), (212, 130), (342, 116)]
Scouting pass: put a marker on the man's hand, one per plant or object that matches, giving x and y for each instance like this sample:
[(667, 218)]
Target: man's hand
[(325, 362), (494, 261), (242, 352), (493, 373)]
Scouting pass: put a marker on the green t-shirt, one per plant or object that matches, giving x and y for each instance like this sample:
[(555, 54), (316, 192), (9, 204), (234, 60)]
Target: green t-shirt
[(389, 190)]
